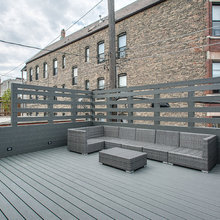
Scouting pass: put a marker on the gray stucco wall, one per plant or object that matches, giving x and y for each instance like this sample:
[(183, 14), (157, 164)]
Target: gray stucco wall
[(24, 139)]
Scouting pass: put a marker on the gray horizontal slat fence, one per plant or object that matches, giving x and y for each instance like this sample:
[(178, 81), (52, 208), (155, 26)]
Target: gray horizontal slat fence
[(47, 104), (181, 97)]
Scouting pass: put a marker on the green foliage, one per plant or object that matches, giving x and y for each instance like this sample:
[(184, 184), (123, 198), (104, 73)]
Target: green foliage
[(6, 101)]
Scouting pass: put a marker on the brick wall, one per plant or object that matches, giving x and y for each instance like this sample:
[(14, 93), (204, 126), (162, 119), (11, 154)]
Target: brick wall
[(145, 63)]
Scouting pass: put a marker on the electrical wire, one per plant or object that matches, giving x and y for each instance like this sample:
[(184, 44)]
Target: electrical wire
[(34, 47), (77, 21), (65, 53)]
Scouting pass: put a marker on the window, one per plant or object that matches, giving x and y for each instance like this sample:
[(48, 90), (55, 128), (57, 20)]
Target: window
[(216, 73), (87, 85), (121, 45), (101, 52), (74, 75), (87, 54), (55, 67), (122, 80), (101, 83), (216, 20), (45, 71), (63, 61), (37, 72), (31, 74)]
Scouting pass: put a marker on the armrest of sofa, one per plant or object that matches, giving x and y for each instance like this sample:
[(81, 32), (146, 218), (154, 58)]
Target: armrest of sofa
[(210, 147), (77, 140)]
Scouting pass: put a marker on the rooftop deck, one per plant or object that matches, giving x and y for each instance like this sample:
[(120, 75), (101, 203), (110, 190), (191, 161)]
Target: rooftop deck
[(58, 184)]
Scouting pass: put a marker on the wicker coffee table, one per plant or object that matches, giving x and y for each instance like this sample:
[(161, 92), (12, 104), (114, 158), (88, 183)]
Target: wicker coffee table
[(124, 159)]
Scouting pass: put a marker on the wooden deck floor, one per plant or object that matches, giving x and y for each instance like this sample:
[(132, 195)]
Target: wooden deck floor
[(57, 184)]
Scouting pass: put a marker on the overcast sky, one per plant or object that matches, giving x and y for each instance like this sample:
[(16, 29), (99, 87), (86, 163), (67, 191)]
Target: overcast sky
[(38, 22)]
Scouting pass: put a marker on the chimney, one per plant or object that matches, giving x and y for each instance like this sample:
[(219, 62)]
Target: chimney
[(63, 34)]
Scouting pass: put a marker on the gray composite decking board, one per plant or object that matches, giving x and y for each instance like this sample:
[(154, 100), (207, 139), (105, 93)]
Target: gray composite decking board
[(165, 169), (9, 211), (37, 206), (21, 206), (64, 208), (150, 202), (200, 210), (100, 216), (44, 206), (94, 177), (204, 200), (2, 215), (129, 213), (190, 192), (83, 182)]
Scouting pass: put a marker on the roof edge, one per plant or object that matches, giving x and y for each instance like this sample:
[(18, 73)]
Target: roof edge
[(98, 29)]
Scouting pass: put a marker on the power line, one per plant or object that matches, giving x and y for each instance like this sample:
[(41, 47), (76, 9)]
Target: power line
[(34, 47), (64, 53), (12, 69), (77, 20)]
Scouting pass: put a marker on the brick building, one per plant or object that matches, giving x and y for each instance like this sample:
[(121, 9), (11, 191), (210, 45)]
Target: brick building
[(157, 41)]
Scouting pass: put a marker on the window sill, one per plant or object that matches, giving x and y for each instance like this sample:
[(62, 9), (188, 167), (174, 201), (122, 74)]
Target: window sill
[(214, 37)]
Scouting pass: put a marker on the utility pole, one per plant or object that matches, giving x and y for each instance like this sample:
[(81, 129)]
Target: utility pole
[(112, 53)]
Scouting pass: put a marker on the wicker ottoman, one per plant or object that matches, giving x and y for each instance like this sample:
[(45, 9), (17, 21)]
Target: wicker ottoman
[(124, 159)]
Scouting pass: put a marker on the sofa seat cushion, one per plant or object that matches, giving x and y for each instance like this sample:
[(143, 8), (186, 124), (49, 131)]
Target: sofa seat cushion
[(157, 151), (187, 152), (94, 141), (188, 158), (159, 147), (94, 144), (132, 145), (111, 142)]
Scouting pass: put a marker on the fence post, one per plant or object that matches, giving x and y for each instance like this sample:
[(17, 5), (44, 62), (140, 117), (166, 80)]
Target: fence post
[(156, 108), (50, 105), (92, 108), (13, 105), (191, 105), (73, 106), (130, 107)]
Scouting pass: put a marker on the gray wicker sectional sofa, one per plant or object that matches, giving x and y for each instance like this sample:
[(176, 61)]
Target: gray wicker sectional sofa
[(198, 151)]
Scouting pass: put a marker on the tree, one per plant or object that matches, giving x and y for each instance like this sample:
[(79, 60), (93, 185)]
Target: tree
[(6, 102)]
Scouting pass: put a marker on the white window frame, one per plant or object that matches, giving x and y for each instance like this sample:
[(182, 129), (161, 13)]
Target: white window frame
[(74, 75)]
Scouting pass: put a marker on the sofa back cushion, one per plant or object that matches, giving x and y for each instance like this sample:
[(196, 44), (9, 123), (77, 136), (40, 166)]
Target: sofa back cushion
[(111, 131), (145, 135), (192, 140), (169, 138), (95, 131), (127, 133)]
